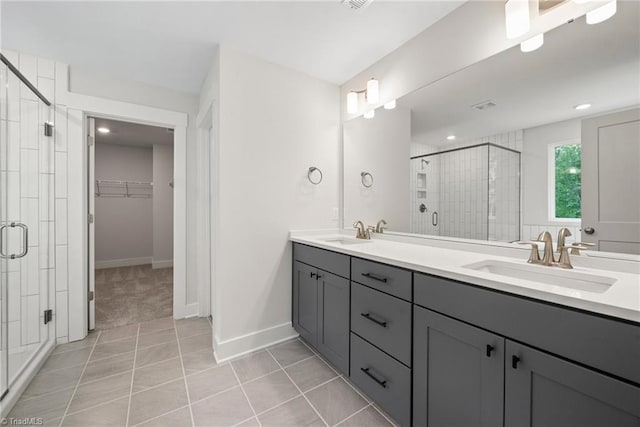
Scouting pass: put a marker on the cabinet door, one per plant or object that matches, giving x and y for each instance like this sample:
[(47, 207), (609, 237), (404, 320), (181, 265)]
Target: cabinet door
[(333, 319), (305, 302), (543, 390), (458, 373)]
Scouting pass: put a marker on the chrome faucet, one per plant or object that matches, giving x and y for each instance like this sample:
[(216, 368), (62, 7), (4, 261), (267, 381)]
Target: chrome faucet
[(381, 226), (362, 232)]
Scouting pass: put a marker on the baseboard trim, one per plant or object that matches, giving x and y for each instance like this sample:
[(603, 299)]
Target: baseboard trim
[(126, 262), (191, 310), (162, 264), (244, 344)]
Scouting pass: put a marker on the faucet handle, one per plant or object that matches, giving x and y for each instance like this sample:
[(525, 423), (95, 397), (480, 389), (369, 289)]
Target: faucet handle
[(534, 256), (580, 246)]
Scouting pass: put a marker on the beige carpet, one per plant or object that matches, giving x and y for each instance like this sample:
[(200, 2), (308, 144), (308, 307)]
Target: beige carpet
[(127, 295)]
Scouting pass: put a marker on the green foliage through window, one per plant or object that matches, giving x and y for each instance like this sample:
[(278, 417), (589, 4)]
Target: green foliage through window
[(568, 181)]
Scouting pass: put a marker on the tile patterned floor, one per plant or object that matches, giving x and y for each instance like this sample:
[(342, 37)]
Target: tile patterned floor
[(162, 373)]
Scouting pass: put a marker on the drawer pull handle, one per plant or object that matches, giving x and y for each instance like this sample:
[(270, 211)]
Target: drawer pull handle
[(514, 361), (490, 348), (313, 275), (379, 322), (375, 277), (382, 383)]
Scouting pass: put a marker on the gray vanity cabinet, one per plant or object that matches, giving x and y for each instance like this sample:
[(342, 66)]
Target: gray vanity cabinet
[(305, 302), (333, 319), (543, 390), (458, 373)]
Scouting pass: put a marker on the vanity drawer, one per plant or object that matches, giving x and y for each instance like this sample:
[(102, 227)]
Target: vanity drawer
[(600, 342), (392, 280), (383, 320), (325, 260), (383, 379)]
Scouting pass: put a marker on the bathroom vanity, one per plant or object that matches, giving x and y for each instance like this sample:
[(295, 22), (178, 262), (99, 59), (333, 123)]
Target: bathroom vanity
[(452, 343)]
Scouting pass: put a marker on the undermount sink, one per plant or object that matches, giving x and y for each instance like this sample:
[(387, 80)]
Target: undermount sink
[(345, 240), (548, 275)]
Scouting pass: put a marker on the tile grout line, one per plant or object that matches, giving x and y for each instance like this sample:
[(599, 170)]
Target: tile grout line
[(354, 414), (184, 375), (296, 386), (133, 374), (160, 416), (66, 410), (245, 393)]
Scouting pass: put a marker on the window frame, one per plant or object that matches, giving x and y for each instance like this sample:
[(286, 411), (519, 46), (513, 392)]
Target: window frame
[(551, 190)]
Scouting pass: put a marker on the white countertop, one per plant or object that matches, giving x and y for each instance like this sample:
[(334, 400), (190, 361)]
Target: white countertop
[(620, 300)]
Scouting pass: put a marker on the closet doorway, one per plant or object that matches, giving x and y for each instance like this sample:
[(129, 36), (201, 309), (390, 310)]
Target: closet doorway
[(131, 225)]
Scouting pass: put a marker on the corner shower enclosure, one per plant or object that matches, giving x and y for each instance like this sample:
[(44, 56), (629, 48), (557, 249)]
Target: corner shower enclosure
[(26, 229), (469, 192)]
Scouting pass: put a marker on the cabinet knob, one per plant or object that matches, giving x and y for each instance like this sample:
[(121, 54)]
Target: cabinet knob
[(490, 348), (514, 361), (313, 275)]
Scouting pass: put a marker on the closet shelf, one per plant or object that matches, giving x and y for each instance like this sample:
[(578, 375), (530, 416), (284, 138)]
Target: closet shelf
[(132, 189)]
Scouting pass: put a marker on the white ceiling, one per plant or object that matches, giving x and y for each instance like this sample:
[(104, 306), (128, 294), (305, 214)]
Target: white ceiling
[(171, 44), (132, 134), (579, 63)]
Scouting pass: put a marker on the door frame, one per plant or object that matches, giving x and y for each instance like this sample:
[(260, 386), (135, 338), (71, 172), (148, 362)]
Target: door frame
[(79, 108)]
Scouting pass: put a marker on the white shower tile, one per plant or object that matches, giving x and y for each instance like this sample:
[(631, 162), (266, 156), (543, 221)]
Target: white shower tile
[(62, 322), (28, 66), (61, 221), (46, 68), (46, 197), (61, 174), (29, 175), (61, 268), (46, 154), (29, 124), (30, 272), (13, 295), (30, 319), (29, 216), (60, 128), (46, 87)]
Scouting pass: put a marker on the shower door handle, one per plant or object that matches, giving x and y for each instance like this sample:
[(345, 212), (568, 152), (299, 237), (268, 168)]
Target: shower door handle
[(434, 218), (25, 240)]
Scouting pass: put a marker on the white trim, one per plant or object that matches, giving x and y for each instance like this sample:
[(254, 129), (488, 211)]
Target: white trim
[(551, 181), (203, 222), (125, 262), (163, 263), (244, 344), (191, 310)]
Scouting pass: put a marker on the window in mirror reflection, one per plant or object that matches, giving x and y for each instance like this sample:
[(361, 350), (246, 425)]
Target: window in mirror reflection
[(567, 181)]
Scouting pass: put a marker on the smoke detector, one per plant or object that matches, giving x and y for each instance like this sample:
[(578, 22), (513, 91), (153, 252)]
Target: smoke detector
[(484, 105), (356, 4)]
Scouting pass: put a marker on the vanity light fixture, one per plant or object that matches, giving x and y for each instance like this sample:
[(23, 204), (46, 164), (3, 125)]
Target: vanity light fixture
[(390, 105), (533, 43), (602, 13), (371, 94), (103, 130), (516, 18), (582, 106), (369, 114), (451, 137)]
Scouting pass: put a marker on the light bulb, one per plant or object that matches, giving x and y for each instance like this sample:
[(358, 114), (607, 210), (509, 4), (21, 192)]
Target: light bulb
[(533, 43), (390, 105), (602, 13), (352, 103), (369, 114), (373, 94), (103, 130), (582, 106), (516, 18)]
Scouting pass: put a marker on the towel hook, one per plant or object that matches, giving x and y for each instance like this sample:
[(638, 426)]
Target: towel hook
[(366, 178), (313, 169)]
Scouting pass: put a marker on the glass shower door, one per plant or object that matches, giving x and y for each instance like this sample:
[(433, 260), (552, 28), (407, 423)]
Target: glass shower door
[(4, 263)]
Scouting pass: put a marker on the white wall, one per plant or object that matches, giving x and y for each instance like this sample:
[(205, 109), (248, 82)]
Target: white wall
[(274, 124), (124, 233), (162, 206), (380, 146)]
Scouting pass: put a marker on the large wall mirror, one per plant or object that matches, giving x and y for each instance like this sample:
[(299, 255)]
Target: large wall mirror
[(513, 145)]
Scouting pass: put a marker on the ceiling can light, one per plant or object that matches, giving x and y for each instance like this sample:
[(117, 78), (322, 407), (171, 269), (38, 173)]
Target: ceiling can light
[(373, 93), (533, 43), (602, 13), (516, 18), (582, 106), (390, 105), (451, 137), (352, 102), (369, 114), (103, 130)]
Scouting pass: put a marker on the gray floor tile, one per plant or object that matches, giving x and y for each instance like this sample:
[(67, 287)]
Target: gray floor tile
[(310, 373), (156, 325), (113, 348), (156, 353), (107, 415), (290, 352), (77, 345), (157, 401), (101, 391), (269, 391), (254, 366), (107, 367), (48, 407), (198, 361), (196, 343), (294, 413), (155, 338), (178, 418), (224, 409), (251, 422), (335, 401), (119, 333), (47, 382), (152, 375), (194, 326), (368, 417), (206, 383), (66, 360)]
